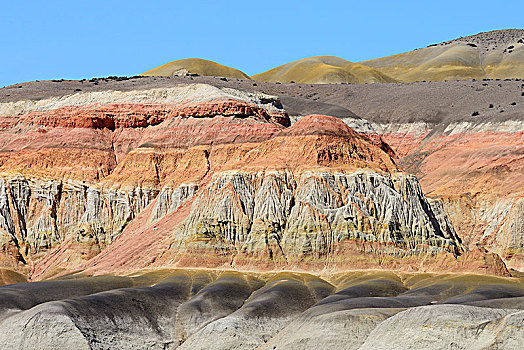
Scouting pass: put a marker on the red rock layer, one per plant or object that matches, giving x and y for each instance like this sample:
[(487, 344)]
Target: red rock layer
[(135, 146), (305, 146), (132, 115), (86, 143)]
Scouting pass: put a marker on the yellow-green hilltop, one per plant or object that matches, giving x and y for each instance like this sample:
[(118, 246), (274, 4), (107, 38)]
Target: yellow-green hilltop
[(497, 54)]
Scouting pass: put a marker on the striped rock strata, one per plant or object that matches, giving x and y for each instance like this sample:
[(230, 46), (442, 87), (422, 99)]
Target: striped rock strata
[(197, 175)]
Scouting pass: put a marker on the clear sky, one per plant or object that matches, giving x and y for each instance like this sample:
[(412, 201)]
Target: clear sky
[(77, 39)]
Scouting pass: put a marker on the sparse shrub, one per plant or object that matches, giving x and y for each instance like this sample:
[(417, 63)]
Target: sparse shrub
[(474, 114), (513, 103), (78, 89), (491, 105)]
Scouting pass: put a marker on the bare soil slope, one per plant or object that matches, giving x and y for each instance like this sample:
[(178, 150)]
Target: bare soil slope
[(496, 54)]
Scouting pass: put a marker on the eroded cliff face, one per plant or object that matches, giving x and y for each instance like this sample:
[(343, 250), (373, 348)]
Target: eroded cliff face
[(197, 176), (286, 219), (37, 215), (76, 170), (476, 169)]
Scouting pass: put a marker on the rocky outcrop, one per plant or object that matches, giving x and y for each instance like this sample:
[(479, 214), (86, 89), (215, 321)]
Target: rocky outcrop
[(289, 220), (475, 168), (463, 141), (38, 215)]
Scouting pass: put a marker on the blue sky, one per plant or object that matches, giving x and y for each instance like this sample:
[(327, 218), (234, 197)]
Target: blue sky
[(82, 39)]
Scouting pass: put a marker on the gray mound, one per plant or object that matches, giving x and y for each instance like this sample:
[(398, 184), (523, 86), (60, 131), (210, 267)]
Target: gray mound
[(346, 329), (216, 300), (267, 311), (129, 318), (449, 327)]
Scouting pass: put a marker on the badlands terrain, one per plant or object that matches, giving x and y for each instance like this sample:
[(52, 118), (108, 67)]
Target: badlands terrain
[(192, 211)]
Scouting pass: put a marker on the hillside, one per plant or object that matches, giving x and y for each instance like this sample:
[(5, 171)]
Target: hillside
[(492, 55), (195, 66), (323, 70)]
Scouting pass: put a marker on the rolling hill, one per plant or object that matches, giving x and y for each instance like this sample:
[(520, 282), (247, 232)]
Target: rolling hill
[(323, 70), (195, 66)]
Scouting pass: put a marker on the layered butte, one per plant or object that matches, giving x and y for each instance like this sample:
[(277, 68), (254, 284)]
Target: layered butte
[(199, 175)]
